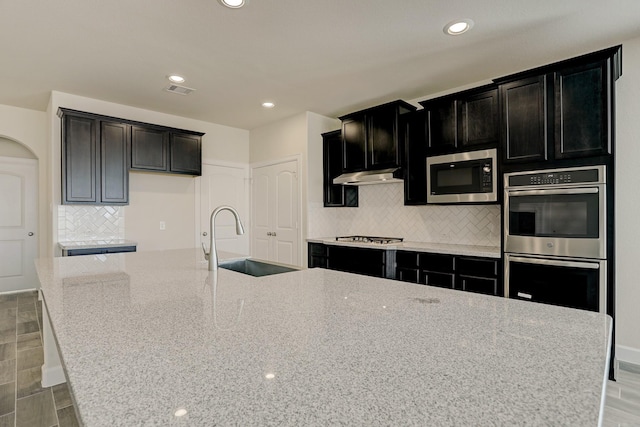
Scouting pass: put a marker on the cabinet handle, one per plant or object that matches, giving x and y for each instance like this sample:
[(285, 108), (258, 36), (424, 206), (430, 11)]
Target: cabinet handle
[(204, 233), (30, 233), (273, 234), (269, 233)]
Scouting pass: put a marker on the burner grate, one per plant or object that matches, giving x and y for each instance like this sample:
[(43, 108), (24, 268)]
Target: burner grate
[(369, 239)]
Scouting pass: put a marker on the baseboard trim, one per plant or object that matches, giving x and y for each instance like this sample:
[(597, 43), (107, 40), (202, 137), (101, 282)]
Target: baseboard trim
[(19, 291), (628, 354), (52, 376)]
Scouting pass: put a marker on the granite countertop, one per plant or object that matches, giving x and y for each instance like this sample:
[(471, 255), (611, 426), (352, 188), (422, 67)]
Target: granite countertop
[(144, 334), (440, 248), (86, 244)]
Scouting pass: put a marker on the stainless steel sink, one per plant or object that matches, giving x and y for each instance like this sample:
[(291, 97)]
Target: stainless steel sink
[(256, 268)]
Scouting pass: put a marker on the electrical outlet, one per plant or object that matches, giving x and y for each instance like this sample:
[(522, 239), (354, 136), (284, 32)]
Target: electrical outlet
[(163, 225)]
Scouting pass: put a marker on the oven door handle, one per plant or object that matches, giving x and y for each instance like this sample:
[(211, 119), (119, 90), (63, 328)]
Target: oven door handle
[(557, 263), (590, 190)]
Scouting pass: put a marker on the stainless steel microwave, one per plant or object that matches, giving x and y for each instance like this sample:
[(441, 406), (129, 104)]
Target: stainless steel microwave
[(468, 177)]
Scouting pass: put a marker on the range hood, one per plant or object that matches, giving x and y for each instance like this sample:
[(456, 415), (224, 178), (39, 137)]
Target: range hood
[(381, 176)]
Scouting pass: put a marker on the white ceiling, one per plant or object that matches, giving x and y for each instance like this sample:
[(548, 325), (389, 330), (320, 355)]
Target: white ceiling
[(327, 56)]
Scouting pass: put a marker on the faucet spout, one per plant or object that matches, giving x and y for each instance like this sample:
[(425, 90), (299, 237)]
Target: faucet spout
[(212, 256)]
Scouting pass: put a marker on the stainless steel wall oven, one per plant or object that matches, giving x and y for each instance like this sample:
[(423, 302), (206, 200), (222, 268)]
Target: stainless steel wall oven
[(555, 236)]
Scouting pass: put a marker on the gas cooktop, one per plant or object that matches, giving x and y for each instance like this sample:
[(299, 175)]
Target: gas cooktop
[(369, 239)]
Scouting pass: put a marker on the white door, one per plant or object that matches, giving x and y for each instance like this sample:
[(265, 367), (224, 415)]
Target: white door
[(18, 223), (275, 204), (225, 185)]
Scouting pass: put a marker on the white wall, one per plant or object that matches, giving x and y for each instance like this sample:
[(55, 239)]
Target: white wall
[(152, 197), (29, 128), (627, 205)]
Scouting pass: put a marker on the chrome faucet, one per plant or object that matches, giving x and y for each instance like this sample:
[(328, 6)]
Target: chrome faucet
[(212, 255)]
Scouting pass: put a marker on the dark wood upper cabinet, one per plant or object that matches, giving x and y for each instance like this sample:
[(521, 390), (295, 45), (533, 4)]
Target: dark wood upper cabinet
[(524, 120), (98, 152), (95, 153), (370, 137), (560, 113), (462, 121), (185, 153), (582, 120), (478, 119), (114, 162), (383, 148), (149, 148), (413, 134), (157, 149), (79, 158), (354, 136), (442, 124), (335, 195)]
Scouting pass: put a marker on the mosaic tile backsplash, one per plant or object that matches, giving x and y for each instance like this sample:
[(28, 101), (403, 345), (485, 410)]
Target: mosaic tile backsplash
[(78, 223), (381, 212)]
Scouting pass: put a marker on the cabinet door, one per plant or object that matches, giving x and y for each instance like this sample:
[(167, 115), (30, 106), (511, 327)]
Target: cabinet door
[(478, 120), (335, 195), (442, 126), (582, 121), (79, 154), (114, 162), (185, 154), (413, 136), (382, 141), (370, 262), (149, 149), (354, 142), (524, 122)]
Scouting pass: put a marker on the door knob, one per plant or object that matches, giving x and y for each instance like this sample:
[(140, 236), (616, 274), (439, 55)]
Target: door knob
[(30, 233)]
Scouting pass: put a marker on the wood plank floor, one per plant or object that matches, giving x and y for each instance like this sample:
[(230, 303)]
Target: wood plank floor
[(24, 402)]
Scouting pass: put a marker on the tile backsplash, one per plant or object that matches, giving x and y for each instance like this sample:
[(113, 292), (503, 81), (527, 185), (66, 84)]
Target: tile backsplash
[(381, 212), (78, 223)]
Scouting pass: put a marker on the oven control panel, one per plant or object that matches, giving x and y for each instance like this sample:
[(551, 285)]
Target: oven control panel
[(550, 177)]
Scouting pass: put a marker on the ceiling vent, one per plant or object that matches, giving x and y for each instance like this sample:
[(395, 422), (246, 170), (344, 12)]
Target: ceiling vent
[(180, 90)]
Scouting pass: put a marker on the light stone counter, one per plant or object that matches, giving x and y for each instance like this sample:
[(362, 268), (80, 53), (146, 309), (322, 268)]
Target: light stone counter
[(145, 334), (439, 248)]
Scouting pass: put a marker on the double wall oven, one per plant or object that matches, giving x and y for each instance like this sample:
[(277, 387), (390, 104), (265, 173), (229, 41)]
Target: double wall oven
[(555, 240)]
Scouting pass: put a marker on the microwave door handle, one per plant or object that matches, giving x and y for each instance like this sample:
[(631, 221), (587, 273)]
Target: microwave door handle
[(558, 263), (590, 190)]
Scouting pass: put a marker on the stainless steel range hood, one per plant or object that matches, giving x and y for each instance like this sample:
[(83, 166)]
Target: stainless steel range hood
[(381, 176)]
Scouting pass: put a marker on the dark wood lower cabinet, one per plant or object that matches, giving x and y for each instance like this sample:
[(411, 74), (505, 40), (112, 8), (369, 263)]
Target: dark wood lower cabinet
[(370, 262), (472, 274), (466, 273)]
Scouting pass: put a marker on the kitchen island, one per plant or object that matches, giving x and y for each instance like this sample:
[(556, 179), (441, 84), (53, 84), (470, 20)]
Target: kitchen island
[(154, 338)]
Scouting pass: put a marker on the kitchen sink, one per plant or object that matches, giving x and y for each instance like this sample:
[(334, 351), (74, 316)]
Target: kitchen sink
[(256, 268)]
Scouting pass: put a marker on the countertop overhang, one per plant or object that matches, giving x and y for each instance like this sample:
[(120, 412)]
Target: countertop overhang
[(144, 334)]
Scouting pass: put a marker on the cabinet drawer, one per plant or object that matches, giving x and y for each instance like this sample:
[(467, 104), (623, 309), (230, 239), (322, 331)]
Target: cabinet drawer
[(477, 284), (436, 262), (442, 280), (411, 275), (406, 259), (479, 267)]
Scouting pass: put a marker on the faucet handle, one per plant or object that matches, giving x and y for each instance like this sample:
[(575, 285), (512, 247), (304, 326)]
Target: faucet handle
[(206, 254)]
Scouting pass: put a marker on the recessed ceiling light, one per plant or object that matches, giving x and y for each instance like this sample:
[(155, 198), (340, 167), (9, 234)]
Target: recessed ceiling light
[(233, 4), (176, 78), (458, 27), (268, 104)]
